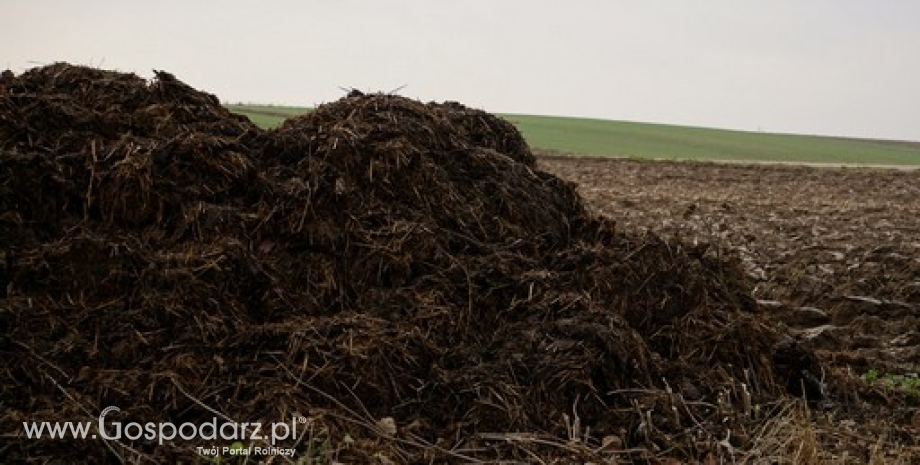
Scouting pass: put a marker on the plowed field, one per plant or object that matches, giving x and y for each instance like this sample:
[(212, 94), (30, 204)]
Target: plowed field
[(835, 252)]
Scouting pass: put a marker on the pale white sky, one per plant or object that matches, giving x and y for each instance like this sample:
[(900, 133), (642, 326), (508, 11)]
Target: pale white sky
[(836, 67)]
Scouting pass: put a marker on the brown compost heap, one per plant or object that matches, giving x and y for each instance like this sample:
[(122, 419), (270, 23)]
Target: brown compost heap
[(377, 262)]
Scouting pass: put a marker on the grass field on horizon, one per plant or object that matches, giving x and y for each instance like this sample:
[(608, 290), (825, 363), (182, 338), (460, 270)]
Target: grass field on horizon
[(595, 137)]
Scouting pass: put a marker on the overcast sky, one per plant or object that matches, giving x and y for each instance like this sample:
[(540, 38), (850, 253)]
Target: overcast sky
[(835, 67)]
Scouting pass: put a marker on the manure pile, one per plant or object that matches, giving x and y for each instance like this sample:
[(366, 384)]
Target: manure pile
[(400, 274)]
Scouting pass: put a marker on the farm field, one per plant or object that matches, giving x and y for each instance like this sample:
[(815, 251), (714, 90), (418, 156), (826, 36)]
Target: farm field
[(267, 116), (833, 254), (413, 284), (583, 136)]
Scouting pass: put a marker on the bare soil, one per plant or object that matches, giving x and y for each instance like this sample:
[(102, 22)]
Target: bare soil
[(835, 253)]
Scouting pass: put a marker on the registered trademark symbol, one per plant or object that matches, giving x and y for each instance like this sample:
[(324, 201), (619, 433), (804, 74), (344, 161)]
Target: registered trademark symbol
[(302, 420)]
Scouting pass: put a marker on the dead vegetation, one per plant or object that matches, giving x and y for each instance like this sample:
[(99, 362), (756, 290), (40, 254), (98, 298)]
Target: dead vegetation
[(402, 275)]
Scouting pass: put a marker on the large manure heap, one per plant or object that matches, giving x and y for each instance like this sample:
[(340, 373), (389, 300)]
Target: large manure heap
[(400, 274)]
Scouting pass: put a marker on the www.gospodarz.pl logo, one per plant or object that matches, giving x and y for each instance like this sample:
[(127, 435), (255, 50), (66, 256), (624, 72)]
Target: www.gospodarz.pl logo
[(165, 431)]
